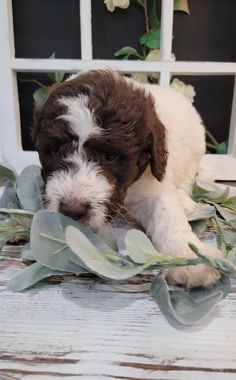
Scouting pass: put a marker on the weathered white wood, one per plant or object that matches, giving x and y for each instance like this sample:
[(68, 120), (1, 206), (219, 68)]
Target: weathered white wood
[(167, 11), (232, 130), (86, 29), (82, 327), (74, 65)]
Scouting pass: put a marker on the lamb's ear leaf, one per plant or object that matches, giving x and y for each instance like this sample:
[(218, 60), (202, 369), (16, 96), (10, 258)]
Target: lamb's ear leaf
[(29, 188), (7, 173), (230, 237), (201, 189), (9, 198), (30, 276), (222, 197), (96, 261), (139, 247), (202, 211), (199, 226), (184, 309), (26, 252), (225, 213), (232, 256), (47, 242)]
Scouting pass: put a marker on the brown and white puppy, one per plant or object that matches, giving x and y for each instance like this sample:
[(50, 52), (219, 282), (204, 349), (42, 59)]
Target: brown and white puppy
[(108, 144)]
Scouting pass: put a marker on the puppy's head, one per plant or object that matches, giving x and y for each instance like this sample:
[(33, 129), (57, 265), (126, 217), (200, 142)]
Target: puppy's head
[(95, 135)]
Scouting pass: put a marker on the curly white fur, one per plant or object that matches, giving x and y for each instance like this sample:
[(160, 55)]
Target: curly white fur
[(162, 208)]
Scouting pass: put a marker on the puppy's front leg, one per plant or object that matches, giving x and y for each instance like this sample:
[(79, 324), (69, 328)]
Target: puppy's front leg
[(157, 207)]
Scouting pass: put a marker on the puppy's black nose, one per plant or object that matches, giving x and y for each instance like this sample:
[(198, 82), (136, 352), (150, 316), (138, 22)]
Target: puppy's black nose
[(74, 208)]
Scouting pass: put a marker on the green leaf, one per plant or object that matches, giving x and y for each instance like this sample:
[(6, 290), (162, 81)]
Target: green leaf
[(96, 261), (40, 95), (128, 51), (151, 39), (232, 256), (201, 189), (7, 174), (222, 148), (59, 76), (227, 215), (12, 211), (153, 18), (9, 198), (223, 197), (52, 76), (29, 188), (26, 252), (184, 309), (202, 211), (231, 202), (199, 226), (230, 237), (53, 55), (47, 242), (221, 265), (181, 5), (56, 77), (139, 247), (30, 276)]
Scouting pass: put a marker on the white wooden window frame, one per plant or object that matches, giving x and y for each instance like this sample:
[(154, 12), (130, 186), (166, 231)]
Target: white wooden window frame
[(11, 151)]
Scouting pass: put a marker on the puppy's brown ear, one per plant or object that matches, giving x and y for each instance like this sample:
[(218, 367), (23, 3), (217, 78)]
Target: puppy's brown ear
[(37, 111), (158, 150), (36, 122)]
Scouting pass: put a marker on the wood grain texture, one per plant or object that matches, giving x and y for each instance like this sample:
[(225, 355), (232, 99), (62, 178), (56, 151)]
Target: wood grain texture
[(77, 328)]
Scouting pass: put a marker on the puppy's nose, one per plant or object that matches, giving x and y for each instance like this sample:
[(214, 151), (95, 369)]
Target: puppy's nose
[(74, 208)]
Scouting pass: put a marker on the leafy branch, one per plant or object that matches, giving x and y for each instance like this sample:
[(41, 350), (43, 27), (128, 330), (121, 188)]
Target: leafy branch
[(60, 245)]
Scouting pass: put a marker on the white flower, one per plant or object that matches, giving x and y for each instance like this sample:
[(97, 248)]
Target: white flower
[(112, 4), (185, 89), (140, 77), (153, 55)]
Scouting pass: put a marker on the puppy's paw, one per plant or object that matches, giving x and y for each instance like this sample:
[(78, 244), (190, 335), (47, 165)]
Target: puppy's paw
[(196, 275)]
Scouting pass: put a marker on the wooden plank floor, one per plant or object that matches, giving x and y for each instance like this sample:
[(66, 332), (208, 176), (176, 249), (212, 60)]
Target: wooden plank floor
[(75, 328)]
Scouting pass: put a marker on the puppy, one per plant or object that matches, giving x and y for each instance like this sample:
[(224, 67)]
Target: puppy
[(110, 147)]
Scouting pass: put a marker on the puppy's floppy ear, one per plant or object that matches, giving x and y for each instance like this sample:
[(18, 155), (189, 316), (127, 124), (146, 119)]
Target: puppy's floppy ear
[(36, 122), (158, 150), (37, 112)]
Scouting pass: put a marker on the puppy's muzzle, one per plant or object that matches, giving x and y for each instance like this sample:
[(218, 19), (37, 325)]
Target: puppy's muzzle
[(74, 208)]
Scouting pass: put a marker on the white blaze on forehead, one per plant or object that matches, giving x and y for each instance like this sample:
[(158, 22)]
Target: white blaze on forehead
[(79, 116)]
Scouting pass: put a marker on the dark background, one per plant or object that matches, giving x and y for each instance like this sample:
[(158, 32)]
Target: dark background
[(208, 34)]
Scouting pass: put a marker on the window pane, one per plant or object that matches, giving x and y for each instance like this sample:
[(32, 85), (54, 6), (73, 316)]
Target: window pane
[(114, 30), (208, 34), (45, 26), (213, 101)]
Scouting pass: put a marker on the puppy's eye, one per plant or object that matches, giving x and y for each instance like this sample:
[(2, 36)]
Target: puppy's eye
[(109, 157)]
